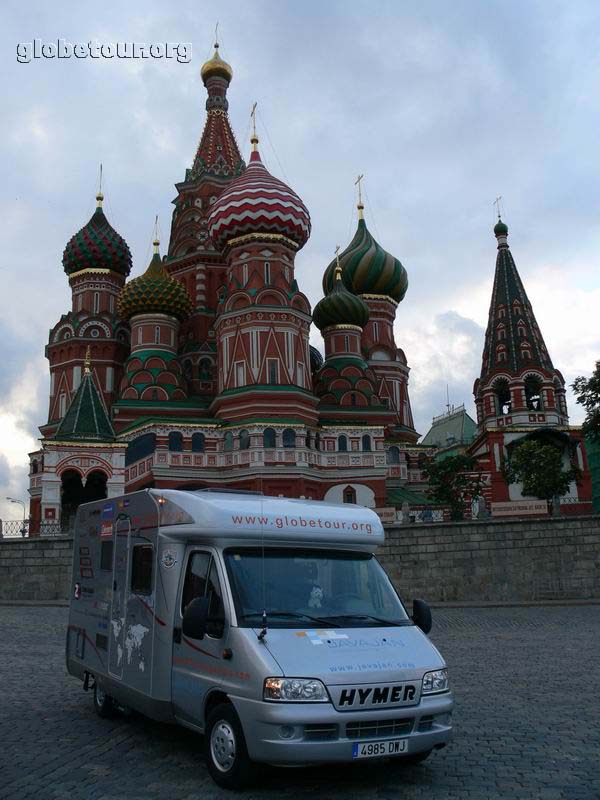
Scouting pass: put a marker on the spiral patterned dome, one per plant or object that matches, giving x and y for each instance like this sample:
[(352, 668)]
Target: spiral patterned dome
[(97, 246), (258, 203), (367, 268), (154, 291), (340, 307)]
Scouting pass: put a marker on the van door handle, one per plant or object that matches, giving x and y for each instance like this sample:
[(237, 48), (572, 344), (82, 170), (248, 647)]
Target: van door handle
[(177, 635)]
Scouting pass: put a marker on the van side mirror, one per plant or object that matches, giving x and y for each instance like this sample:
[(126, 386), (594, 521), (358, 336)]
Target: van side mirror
[(195, 618), (421, 615)]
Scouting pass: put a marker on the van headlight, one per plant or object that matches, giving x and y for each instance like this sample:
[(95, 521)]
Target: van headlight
[(436, 681), (295, 690)]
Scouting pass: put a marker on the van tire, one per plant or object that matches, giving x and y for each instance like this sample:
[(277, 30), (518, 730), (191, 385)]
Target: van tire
[(103, 703), (225, 749)]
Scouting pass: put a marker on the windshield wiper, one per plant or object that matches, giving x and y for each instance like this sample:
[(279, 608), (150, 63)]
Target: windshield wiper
[(391, 622), (291, 615)]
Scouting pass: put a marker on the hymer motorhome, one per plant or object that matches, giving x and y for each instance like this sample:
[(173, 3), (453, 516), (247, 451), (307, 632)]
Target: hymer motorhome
[(264, 623)]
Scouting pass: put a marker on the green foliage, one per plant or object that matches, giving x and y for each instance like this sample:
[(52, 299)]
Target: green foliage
[(538, 466), (454, 481), (587, 392)]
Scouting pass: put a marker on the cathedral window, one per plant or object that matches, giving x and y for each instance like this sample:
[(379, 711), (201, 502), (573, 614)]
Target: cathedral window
[(289, 438), (501, 312), (205, 369), (308, 440), (175, 442), (140, 334), (533, 393), (501, 333), (501, 353), (80, 302), (228, 442), (300, 373), (267, 267), (96, 302), (273, 371), (376, 331), (245, 274), (393, 455), (317, 441), (62, 404), (349, 495), (343, 443), (111, 303), (198, 443), (502, 395), (346, 344), (109, 380), (240, 373), (366, 442), (244, 440), (269, 439), (157, 334)]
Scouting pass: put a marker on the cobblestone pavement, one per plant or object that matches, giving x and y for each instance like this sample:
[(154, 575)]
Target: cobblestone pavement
[(527, 721)]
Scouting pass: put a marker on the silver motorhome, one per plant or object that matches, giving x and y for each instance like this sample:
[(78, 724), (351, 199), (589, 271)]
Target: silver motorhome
[(265, 623)]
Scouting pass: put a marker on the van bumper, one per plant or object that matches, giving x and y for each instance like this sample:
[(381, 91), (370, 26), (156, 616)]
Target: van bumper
[(293, 733)]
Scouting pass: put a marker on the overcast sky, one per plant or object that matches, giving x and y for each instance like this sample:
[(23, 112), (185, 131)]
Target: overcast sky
[(441, 105)]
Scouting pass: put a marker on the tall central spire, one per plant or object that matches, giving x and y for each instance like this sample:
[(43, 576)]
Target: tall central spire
[(218, 154)]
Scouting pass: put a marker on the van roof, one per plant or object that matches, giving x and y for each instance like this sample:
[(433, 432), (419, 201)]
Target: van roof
[(241, 516)]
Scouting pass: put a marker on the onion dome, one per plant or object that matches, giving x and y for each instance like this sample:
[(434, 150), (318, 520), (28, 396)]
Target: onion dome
[(258, 205), (154, 291), (500, 228), (340, 307), (316, 358), (367, 268), (97, 246), (215, 66)]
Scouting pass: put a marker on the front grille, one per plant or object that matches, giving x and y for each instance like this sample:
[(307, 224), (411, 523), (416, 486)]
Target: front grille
[(379, 727), (320, 733), (426, 723)]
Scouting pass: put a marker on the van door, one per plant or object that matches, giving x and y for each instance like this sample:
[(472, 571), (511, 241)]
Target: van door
[(121, 531), (198, 664)]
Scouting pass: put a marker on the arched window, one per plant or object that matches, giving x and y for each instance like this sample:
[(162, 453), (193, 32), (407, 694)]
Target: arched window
[(34, 466), (157, 334), (139, 448), (198, 442), (503, 400), (533, 393), (317, 441), (269, 439), (175, 442), (349, 495), (244, 274), (343, 443), (96, 302), (267, 272), (228, 442), (205, 369), (366, 442), (393, 455), (140, 334), (308, 439), (289, 438), (244, 440)]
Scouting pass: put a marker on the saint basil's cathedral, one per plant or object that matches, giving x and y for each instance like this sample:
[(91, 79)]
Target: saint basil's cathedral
[(199, 373)]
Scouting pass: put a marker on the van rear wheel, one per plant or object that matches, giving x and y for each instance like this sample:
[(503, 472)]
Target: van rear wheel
[(225, 749), (103, 703)]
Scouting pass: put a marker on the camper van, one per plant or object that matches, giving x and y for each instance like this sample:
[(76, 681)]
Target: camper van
[(266, 624)]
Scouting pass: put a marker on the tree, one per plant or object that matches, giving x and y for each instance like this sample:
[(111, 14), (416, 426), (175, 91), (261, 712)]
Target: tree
[(454, 481), (587, 392), (538, 466)]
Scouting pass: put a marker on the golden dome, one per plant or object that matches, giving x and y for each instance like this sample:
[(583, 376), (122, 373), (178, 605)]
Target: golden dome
[(216, 67)]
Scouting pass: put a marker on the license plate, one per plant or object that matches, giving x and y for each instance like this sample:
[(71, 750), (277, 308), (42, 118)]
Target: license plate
[(391, 747)]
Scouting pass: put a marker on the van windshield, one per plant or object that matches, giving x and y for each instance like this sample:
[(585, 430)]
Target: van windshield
[(301, 588)]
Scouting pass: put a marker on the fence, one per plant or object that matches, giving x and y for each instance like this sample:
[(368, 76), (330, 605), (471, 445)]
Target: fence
[(19, 529)]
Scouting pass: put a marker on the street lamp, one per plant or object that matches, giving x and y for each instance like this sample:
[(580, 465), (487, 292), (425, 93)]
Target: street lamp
[(21, 503)]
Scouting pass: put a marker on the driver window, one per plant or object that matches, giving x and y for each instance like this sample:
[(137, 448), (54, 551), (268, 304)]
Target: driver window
[(216, 610), (195, 579)]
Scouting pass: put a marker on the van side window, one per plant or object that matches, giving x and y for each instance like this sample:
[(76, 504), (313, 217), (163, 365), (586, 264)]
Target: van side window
[(142, 559), (106, 555), (195, 578), (216, 610)]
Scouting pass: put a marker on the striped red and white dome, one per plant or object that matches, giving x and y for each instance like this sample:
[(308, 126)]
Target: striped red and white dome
[(256, 202)]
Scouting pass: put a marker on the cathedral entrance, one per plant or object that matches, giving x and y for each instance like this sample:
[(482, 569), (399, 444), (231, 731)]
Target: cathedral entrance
[(74, 492)]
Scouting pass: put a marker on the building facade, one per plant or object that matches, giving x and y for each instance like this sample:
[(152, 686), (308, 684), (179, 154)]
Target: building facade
[(520, 395), (199, 373)]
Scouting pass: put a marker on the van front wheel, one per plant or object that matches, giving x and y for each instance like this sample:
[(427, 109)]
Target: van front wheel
[(226, 752), (103, 703)]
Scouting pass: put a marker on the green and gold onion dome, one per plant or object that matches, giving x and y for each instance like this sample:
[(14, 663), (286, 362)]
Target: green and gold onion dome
[(215, 66), (340, 307), (154, 292), (367, 268), (97, 246)]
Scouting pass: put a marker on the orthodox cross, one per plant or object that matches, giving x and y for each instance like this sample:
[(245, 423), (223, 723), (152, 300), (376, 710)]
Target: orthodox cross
[(217, 34), (338, 269), (100, 182), (357, 183), (497, 204), (254, 138)]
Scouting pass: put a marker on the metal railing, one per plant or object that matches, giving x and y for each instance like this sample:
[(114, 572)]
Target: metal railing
[(23, 529)]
